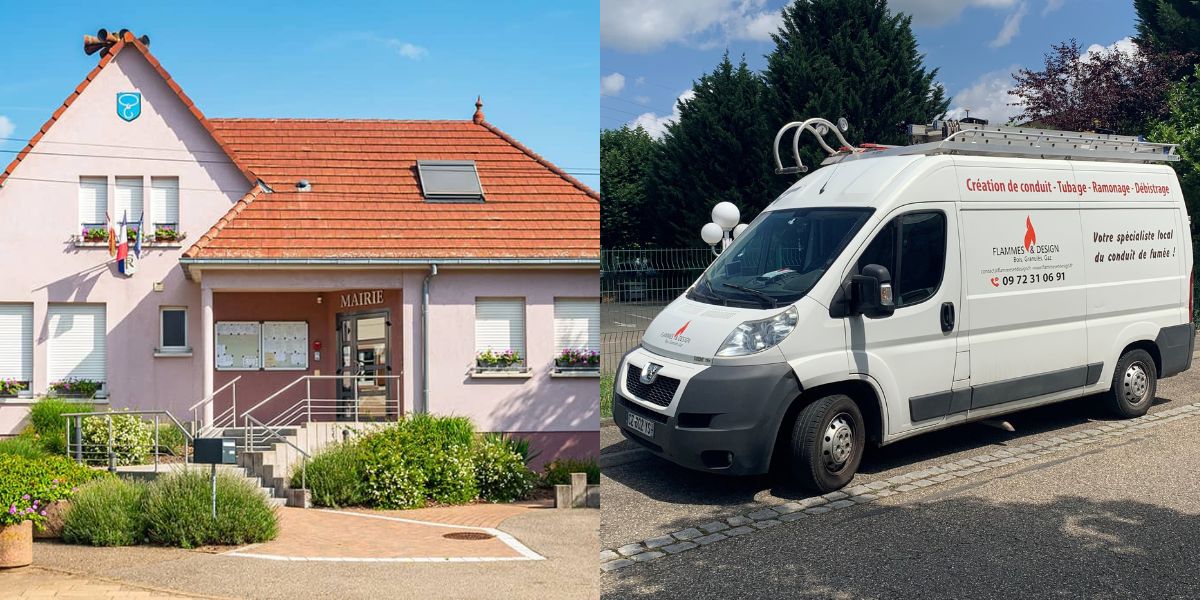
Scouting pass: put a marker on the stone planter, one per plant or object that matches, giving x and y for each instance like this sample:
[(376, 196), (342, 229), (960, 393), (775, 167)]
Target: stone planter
[(16, 545), (51, 528)]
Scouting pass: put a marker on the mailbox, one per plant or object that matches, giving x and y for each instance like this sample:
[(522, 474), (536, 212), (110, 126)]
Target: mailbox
[(215, 451)]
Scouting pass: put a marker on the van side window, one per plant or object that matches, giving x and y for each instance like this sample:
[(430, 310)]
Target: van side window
[(919, 240)]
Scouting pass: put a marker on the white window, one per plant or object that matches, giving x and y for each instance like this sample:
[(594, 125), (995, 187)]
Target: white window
[(500, 326), (172, 329), (16, 342), (76, 349), (93, 202), (129, 200), (576, 324), (164, 203)]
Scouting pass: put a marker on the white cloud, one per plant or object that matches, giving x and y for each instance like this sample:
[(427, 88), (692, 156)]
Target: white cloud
[(642, 99), (407, 50), (1124, 45), (640, 26), (612, 84), (641, 80), (6, 127), (1052, 5), (655, 125), (934, 13), (987, 98), (1011, 27)]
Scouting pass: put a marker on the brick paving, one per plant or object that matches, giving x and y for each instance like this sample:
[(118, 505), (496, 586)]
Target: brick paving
[(362, 535), (35, 582)]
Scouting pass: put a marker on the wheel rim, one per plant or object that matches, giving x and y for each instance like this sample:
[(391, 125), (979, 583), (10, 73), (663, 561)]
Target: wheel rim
[(837, 444), (1135, 385)]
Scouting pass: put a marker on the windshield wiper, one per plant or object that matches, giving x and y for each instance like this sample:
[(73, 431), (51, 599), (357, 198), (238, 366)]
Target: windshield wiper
[(766, 297)]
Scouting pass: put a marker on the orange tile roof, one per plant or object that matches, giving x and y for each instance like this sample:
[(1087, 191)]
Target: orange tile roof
[(125, 41), (366, 200)]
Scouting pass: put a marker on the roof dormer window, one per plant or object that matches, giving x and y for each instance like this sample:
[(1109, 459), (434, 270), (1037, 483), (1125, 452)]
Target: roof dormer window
[(449, 181)]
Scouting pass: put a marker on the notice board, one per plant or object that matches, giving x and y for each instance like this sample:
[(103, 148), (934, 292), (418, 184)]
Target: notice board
[(239, 346), (285, 345)]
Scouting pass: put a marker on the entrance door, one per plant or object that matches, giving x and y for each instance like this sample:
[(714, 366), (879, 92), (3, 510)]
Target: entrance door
[(912, 352), (364, 362)]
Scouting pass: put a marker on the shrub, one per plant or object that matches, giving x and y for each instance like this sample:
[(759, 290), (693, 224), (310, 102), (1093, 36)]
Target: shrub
[(49, 425), (107, 512), (420, 458), (132, 438), (27, 485), (171, 438), (500, 471), (23, 446), (335, 476), (178, 511), (519, 445), (559, 471)]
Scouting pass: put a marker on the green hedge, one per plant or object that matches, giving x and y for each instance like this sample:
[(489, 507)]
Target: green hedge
[(335, 476), (559, 471), (418, 460), (178, 511), (27, 485), (48, 425), (107, 512), (23, 446)]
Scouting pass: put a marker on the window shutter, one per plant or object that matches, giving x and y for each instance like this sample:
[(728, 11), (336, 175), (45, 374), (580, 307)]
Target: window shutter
[(93, 200), (500, 324), (129, 199), (16, 342), (77, 342), (164, 200), (576, 323)]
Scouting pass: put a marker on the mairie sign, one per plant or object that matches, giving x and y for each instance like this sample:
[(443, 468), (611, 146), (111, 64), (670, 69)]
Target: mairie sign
[(129, 105)]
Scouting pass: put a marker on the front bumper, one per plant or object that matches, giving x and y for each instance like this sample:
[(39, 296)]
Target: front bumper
[(722, 419)]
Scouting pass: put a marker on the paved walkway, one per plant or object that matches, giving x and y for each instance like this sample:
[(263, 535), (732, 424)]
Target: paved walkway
[(399, 536), (35, 582)]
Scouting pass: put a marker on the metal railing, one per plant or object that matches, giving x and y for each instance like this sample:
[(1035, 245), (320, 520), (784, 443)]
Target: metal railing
[(614, 345), (84, 452), (226, 418), (303, 461), (259, 434), (650, 276)]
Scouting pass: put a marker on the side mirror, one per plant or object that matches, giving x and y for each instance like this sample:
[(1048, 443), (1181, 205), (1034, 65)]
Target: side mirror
[(871, 292)]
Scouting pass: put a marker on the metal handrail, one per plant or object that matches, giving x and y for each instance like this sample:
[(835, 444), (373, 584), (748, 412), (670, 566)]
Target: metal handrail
[(303, 463), (309, 378), (209, 397), (188, 440), (218, 420)]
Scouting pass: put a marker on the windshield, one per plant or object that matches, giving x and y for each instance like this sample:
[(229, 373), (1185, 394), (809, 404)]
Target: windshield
[(780, 257)]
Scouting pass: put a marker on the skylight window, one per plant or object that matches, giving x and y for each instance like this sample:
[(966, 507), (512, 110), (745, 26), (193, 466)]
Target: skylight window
[(450, 180)]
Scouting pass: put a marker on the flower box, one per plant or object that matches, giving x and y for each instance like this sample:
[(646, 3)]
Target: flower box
[(11, 388), (577, 360), (499, 362)]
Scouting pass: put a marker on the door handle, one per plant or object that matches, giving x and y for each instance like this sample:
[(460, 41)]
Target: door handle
[(947, 316)]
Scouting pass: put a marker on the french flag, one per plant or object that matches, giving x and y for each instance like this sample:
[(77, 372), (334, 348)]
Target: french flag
[(122, 245)]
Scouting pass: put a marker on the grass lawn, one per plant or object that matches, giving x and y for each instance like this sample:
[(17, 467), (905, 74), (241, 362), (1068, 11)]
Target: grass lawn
[(606, 396)]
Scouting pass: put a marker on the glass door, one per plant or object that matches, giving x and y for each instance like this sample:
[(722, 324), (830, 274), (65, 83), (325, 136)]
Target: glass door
[(364, 362)]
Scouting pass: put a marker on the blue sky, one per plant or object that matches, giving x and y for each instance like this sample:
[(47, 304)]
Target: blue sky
[(651, 50), (535, 63)]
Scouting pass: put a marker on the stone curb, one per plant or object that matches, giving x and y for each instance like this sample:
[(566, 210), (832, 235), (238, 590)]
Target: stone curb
[(773, 515)]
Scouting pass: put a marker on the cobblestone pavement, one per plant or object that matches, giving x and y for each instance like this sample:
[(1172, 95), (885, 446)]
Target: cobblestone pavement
[(35, 582), (706, 511)]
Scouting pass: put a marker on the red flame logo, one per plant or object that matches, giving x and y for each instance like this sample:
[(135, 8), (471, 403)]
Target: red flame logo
[(1030, 234), (682, 329)]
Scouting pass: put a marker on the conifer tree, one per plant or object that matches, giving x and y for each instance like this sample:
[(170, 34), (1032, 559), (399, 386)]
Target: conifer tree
[(625, 156)]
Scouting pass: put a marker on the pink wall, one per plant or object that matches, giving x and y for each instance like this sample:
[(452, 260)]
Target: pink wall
[(40, 265)]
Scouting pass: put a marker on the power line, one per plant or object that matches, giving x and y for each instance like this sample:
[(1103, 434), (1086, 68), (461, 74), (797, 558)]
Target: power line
[(638, 104)]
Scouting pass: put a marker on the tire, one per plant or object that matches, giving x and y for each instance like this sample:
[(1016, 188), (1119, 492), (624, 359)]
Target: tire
[(827, 443), (1134, 384)]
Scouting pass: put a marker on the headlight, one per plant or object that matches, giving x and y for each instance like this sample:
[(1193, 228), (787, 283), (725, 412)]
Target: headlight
[(756, 336)]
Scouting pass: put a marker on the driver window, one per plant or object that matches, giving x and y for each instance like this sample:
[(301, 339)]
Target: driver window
[(913, 249)]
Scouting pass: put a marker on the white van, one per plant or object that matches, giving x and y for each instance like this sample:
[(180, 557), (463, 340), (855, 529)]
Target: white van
[(906, 289)]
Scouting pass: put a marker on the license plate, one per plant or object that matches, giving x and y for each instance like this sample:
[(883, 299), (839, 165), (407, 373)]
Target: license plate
[(640, 424)]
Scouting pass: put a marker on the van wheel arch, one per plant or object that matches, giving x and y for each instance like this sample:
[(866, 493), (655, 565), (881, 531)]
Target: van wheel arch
[(1150, 347), (861, 391)]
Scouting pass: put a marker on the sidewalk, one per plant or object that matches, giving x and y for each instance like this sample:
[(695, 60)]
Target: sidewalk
[(35, 582)]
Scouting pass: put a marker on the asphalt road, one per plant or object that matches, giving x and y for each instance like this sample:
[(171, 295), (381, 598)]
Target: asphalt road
[(1108, 520)]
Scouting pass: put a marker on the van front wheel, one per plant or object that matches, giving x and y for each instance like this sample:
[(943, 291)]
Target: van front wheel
[(1134, 384), (827, 443)]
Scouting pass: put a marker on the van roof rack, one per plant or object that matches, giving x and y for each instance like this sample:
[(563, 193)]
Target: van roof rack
[(957, 137)]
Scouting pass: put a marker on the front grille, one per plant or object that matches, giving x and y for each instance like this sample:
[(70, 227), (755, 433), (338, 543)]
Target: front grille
[(661, 392)]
